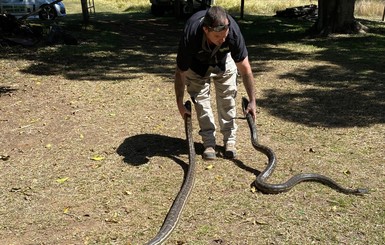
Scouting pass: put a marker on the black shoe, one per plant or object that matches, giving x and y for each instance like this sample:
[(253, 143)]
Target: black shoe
[(230, 151), (209, 153)]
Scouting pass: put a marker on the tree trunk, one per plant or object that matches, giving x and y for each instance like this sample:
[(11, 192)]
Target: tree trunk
[(86, 14), (337, 16)]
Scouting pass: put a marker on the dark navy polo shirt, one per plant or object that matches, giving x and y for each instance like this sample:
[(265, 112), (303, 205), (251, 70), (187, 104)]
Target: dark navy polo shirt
[(192, 53)]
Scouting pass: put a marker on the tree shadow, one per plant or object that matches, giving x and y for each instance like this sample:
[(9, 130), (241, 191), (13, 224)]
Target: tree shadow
[(343, 97), (113, 47), (347, 89)]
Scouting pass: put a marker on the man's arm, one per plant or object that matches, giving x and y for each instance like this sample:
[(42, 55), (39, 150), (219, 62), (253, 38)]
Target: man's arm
[(179, 87), (244, 69)]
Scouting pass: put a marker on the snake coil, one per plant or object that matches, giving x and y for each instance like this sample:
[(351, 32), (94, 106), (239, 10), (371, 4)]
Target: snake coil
[(260, 183), (267, 188)]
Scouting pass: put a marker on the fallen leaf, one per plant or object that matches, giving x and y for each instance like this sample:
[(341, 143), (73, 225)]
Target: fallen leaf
[(128, 192), (62, 180), (15, 189), (97, 158), (111, 220), (96, 165), (66, 210), (208, 167), (34, 120), (259, 222), (347, 172), (218, 178)]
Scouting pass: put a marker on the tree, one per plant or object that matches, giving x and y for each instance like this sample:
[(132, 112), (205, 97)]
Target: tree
[(337, 16), (86, 14)]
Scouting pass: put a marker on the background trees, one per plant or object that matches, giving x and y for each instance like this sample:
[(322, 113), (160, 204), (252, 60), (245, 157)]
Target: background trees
[(337, 16)]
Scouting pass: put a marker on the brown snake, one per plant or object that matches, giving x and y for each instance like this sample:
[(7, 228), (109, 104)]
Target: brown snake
[(260, 182)]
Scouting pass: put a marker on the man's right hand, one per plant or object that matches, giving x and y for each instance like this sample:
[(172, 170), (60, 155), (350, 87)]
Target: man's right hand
[(179, 86), (252, 109), (183, 110)]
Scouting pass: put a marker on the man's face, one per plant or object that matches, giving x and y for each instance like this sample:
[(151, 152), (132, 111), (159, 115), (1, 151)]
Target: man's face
[(216, 37)]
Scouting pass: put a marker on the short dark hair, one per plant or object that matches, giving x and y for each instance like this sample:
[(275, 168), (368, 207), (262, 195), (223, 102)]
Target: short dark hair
[(215, 16)]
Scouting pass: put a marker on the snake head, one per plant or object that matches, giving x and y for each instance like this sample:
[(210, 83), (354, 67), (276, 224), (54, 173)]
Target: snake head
[(187, 104), (245, 103), (362, 191)]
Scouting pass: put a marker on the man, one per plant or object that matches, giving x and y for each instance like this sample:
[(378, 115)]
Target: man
[(212, 48)]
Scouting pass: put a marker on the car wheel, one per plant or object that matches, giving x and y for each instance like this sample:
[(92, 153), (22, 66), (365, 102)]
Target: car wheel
[(47, 12)]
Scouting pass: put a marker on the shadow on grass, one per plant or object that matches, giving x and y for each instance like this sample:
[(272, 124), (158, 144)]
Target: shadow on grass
[(138, 149), (112, 47), (245, 167), (6, 90), (347, 89)]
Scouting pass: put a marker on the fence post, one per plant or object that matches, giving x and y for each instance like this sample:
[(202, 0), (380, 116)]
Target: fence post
[(383, 15)]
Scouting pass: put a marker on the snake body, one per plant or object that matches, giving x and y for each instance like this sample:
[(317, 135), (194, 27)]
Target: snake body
[(175, 211), (260, 183), (267, 188)]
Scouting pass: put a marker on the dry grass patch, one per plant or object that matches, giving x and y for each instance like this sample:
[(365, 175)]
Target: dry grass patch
[(96, 150)]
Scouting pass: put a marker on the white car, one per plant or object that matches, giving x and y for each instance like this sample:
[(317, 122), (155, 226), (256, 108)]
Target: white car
[(44, 9)]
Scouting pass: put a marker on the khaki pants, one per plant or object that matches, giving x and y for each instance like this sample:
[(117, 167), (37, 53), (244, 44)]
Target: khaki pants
[(226, 90)]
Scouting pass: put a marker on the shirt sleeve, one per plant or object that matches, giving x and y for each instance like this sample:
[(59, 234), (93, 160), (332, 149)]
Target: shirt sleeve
[(184, 55), (190, 41), (237, 43)]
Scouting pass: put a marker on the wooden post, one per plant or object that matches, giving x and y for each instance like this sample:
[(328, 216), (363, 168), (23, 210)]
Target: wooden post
[(383, 15), (242, 8)]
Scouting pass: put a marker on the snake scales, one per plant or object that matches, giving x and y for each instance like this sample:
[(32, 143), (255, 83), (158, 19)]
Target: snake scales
[(175, 211), (260, 182)]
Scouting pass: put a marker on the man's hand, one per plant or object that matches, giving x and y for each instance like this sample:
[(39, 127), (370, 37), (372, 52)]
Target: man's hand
[(179, 86), (252, 109), (244, 69), (183, 110)]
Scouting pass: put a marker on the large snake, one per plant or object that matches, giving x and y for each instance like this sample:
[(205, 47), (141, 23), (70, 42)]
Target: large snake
[(175, 211), (260, 182)]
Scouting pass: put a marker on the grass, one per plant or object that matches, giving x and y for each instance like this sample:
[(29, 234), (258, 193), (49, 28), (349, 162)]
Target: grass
[(369, 8), (320, 104), (363, 8)]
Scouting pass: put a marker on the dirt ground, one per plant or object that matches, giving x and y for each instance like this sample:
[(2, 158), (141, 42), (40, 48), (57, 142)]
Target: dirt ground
[(93, 149)]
